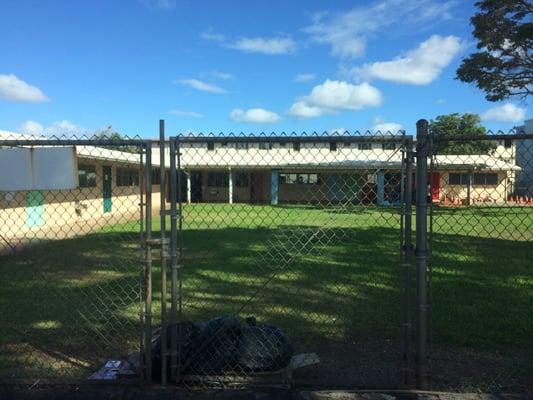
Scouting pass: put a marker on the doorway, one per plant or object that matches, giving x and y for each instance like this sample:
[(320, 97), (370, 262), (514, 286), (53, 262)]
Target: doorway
[(435, 186), (256, 187), (107, 181)]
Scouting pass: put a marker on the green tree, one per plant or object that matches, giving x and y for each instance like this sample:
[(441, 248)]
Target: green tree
[(446, 128), (503, 67), (109, 134)]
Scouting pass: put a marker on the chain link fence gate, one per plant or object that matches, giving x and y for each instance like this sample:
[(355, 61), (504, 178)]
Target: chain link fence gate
[(480, 274), (71, 263), (104, 241), (302, 233)]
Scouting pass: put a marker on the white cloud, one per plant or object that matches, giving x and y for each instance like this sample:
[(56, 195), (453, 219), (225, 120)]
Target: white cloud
[(216, 75), (304, 77), (225, 76), (182, 113), (387, 127), (31, 128), (333, 96), (58, 128), (272, 46), (301, 109), (338, 131), (505, 113), (254, 115), (419, 66), (347, 32), (15, 89), (200, 85), (160, 4), (212, 36)]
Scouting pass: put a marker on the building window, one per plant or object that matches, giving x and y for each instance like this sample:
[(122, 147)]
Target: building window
[(265, 145), (332, 146), (156, 176), (347, 144), (487, 179), (508, 143), (300, 179), (457, 178), (210, 145), (296, 146), (217, 179), (388, 146), (127, 177), (242, 179), (364, 146), (86, 175)]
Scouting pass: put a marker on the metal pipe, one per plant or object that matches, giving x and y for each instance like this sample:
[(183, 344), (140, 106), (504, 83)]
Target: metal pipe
[(422, 366), (142, 174), (180, 254), (163, 254), (72, 142), (148, 254), (407, 249), (173, 257), (312, 138)]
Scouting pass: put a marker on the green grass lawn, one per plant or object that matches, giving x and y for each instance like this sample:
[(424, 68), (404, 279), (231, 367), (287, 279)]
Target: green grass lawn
[(329, 277)]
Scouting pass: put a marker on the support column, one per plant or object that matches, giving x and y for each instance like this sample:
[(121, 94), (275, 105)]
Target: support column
[(422, 332), (230, 186), (188, 182), (274, 187), (381, 187), (469, 188)]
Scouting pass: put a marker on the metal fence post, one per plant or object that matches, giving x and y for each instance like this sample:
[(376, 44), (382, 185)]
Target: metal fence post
[(406, 253), (173, 257), (148, 267), (163, 255), (179, 258), (422, 151)]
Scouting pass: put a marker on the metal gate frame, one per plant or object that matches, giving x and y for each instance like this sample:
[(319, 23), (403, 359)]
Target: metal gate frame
[(421, 376)]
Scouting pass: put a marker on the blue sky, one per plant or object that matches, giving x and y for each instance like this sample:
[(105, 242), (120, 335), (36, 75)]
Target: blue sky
[(71, 67)]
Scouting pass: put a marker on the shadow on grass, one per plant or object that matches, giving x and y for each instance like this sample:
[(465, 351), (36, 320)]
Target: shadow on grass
[(68, 305)]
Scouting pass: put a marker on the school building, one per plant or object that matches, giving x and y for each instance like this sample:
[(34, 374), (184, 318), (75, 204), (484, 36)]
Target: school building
[(106, 183)]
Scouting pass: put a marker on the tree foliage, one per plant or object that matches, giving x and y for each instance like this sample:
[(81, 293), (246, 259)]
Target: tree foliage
[(446, 128), (503, 67), (109, 134)]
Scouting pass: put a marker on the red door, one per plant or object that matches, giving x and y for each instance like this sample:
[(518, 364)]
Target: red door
[(435, 186)]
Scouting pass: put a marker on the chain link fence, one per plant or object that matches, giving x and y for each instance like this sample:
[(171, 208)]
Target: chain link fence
[(481, 268), (267, 260), (295, 242), (70, 262)]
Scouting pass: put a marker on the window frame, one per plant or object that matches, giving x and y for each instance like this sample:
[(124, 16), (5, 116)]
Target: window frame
[(463, 178), (87, 169), (388, 145), (484, 178), (239, 181), (217, 179), (126, 177), (304, 178)]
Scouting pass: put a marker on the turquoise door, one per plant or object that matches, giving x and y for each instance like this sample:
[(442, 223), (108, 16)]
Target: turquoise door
[(106, 173), (34, 208)]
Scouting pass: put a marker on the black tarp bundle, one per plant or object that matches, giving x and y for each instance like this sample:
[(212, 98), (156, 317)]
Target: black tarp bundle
[(223, 344)]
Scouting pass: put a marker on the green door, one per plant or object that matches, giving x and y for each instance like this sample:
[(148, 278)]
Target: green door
[(34, 208), (106, 173)]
